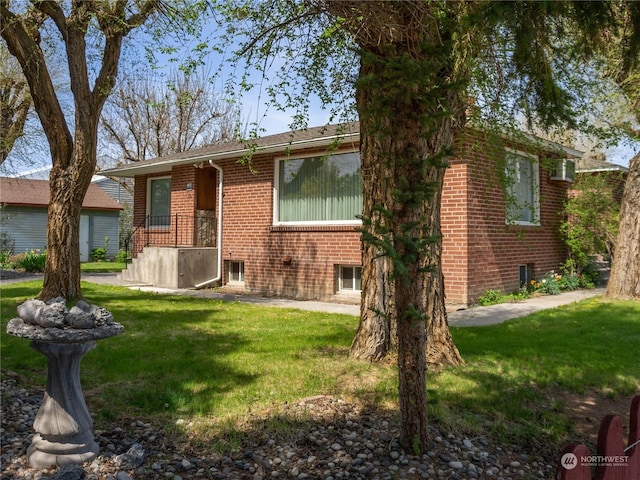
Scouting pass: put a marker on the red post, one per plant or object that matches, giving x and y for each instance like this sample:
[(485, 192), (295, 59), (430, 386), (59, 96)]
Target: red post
[(610, 450)]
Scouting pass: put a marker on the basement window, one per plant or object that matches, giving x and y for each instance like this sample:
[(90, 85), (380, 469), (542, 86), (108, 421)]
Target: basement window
[(236, 272), (350, 278), (525, 275)]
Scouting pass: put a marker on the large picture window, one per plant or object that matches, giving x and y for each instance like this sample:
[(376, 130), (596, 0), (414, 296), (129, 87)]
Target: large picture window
[(523, 189), (324, 189), (159, 201)]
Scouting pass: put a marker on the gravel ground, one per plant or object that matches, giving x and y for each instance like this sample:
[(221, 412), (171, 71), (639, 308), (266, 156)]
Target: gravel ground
[(331, 440)]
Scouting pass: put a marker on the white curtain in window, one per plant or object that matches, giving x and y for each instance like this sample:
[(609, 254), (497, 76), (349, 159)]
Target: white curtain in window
[(521, 189), (524, 190)]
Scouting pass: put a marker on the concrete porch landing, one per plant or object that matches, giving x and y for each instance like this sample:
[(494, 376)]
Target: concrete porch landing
[(169, 267)]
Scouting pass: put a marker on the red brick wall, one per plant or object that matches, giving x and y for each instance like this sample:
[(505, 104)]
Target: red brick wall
[(183, 190), (294, 261), (183, 198), (455, 241), (496, 249)]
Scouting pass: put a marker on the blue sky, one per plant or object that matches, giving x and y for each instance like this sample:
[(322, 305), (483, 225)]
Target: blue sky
[(254, 107)]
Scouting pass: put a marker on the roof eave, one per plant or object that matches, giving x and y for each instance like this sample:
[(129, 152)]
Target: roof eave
[(133, 170), (46, 205)]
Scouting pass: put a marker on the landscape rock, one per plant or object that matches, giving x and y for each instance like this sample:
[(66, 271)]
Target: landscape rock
[(54, 315), (81, 320), (133, 458), (51, 322), (133, 449)]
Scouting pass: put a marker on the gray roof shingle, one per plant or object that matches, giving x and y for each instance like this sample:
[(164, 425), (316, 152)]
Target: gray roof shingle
[(35, 193)]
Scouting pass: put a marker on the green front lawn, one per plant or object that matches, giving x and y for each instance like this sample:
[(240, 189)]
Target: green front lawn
[(218, 363), (519, 375), (102, 267)]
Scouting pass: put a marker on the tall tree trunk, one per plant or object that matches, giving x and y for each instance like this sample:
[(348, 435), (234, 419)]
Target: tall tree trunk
[(624, 281), (410, 101), (403, 150), (73, 157), (68, 185)]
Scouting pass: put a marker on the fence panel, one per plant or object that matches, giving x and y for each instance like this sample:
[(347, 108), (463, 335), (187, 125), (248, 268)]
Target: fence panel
[(613, 461)]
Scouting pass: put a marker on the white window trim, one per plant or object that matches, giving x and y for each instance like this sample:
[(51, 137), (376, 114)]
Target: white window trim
[(536, 190), (148, 206), (241, 273), (276, 191), (341, 289)]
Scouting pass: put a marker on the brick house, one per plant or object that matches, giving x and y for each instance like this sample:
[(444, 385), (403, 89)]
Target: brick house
[(285, 224)]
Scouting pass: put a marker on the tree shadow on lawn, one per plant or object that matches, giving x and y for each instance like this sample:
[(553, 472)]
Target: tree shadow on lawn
[(167, 360), (575, 347), (518, 411), (554, 374), (184, 371)]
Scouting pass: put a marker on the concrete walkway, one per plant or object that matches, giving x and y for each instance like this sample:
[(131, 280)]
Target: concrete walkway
[(476, 316)]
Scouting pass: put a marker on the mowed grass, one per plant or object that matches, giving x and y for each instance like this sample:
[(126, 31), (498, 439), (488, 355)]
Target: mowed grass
[(102, 267), (181, 356), (219, 363), (518, 375)]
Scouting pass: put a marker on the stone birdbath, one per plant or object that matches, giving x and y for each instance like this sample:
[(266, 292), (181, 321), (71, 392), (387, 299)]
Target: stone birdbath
[(63, 424)]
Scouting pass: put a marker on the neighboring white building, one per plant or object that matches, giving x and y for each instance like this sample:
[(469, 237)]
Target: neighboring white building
[(23, 221)]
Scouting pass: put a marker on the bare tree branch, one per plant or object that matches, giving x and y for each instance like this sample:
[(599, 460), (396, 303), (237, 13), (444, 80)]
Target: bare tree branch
[(22, 40)]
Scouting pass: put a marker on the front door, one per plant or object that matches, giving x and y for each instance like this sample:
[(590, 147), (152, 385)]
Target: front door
[(206, 207)]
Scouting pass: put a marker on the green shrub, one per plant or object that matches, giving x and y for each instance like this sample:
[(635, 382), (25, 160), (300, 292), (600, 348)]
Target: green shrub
[(4, 259), (569, 282), (589, 277), (592, 217), (493, 297), (6, 249), (490, 297), (550, 283), (33, 261), (98, 254), (122, 256)]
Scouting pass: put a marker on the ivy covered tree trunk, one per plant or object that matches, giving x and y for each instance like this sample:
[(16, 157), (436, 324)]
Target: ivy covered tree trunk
[(624, 281), (411, 106), (405, 142)]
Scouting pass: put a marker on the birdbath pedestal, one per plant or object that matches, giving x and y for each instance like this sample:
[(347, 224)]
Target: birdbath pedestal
[(63, 424)]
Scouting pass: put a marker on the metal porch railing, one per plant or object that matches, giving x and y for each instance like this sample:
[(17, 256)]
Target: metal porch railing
[(171, 231)]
